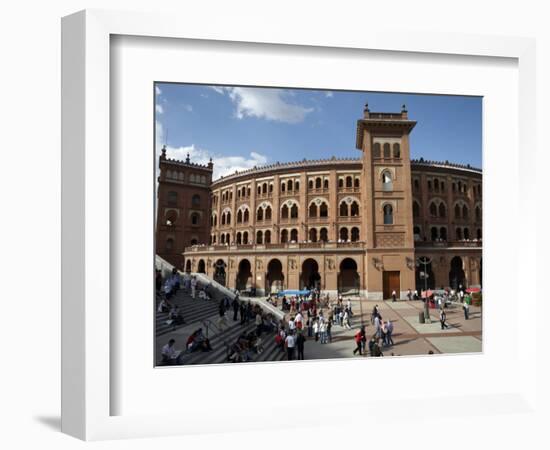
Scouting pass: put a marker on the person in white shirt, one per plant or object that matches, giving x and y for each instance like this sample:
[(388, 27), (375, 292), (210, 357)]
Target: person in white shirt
[(291, 324), (298, 320), (170, 355), (193, 286), (323, 332), (290, 343)]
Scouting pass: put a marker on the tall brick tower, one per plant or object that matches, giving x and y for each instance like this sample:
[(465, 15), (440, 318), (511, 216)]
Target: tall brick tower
[(387, 199), (183, 207)]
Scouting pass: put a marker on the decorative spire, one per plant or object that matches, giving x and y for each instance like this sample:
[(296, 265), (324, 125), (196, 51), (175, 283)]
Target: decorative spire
[(366, 108), (163, 153), (187, 160), (403, 108)]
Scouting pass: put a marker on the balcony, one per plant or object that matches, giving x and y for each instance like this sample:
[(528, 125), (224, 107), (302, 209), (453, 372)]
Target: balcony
[(294, 246), (449, 244)]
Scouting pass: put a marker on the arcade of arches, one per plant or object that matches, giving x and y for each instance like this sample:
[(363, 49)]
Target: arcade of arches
[(344, 273)]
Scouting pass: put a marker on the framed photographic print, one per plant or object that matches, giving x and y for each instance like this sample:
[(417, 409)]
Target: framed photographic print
[(270, 211)]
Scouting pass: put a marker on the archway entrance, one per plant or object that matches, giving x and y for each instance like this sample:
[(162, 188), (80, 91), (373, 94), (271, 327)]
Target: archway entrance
[(348, 278), (202, 267), (424, 274), (310, 277), (244, 275), (219, 272), (457, 276), (275, 279), (188, 266)]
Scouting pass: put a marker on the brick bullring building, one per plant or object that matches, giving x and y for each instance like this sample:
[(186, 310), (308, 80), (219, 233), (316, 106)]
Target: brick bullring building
[(366, 225)]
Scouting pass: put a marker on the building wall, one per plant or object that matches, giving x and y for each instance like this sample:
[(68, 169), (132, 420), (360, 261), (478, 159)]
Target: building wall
[(339, 206)]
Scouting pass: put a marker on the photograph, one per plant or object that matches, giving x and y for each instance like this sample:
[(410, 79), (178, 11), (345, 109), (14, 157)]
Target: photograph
[(310, 224)]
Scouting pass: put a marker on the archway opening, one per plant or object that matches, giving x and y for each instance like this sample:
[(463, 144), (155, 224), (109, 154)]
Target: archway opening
[(348, 278), (188, 266), (202, 266), (219, 272), (457, 277), (310, 277), (244, 275), (275, 278)]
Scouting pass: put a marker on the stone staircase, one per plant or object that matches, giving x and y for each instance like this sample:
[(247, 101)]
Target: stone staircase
[(192, 310)]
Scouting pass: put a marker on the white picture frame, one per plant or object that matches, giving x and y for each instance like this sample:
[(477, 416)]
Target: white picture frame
[(88, 383)]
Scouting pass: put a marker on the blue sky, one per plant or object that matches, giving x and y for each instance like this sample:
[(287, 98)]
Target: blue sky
[(240, 127)]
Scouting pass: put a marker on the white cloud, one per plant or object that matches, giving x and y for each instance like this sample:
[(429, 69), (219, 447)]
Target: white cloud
[(159, 109), (157, 90), (223, 165), (329, 94), (269, 104)]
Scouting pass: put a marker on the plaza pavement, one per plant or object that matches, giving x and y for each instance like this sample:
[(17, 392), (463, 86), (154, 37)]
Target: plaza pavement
[(410, 337)]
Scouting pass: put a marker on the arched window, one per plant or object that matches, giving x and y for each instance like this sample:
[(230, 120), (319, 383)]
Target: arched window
[(436, 185), (259, 190), (195, 219), (259, 237), (388, 214), (343, 209), (344, 234), (430, 185), (313, 210), (172, 198), (245, 237), (387, 150), (459, 234), (297, 186), (228, 219), (416, 232), (268, 213), (396, 150), (387, 183), (222, 238), (283, 186), (323, 235), (294, 212), (442, 210), (340, 182), (433, 210), (464, 212), (246, 216), (214, 239), (294, 235), (349, 182), (239, 216), (416, 185), (354, 209), (223, 218), (196, 200), (284, 236), (239, 238), (194, 240), (267, 237), (443, 233), (416, 209), (270, 187), (260, 214), (466, 233), (290, 185), (318, 182), (354, 234), (478, 214), (323, 210), (457, 212), (313, 234), (376, 150), (442, 186), (264, 188), (356, 185), (325, 183), (243, 191), (284, 212), (433, 232), (310, 184)]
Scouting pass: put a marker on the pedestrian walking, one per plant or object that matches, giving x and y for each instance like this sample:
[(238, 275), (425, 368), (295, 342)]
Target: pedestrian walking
[(443, 319), (393, 296), (300, 341), (290, 343), (360, 338), (389, 332), (466, 308), (193, 286)]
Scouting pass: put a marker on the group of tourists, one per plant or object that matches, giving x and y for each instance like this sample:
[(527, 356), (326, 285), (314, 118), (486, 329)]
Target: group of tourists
[(196, 341)]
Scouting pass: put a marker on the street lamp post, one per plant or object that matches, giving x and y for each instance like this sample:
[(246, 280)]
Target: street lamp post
[(425, 261)]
